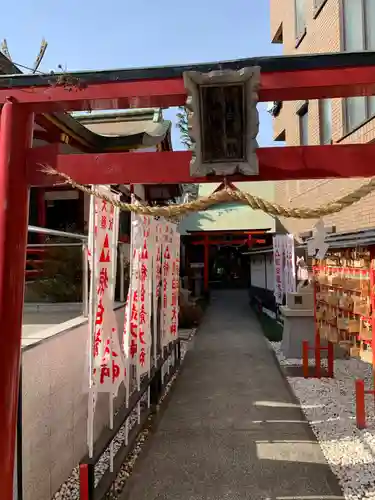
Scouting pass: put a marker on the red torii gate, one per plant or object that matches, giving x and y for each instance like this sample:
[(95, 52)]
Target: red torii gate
[(22, 96)]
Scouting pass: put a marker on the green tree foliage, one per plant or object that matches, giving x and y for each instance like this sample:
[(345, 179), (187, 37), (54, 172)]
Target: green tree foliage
[(190, 191)]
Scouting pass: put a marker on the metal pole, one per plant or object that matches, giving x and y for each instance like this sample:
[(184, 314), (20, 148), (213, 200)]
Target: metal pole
[(54, 232), (15, 140), (122, 273), (19, 477), (85, 280)]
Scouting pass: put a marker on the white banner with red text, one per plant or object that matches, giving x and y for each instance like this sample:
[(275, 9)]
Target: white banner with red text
[(284, 266), (108, 365), (153, 292)]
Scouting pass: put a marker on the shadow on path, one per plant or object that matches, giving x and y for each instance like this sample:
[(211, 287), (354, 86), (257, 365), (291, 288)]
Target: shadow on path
[(232, 429)]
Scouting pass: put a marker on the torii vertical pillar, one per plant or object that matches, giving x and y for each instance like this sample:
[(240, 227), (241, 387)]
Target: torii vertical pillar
[(15, 138)]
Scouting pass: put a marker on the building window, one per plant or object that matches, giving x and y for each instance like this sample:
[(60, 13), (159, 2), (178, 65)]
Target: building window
[(300, 13), (303, 117), (359, 34), (325, 121)]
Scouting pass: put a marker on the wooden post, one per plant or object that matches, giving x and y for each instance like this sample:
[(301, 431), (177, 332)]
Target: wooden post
[(15, 139)]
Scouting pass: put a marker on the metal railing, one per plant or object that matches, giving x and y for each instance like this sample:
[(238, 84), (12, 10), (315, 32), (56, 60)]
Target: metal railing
[(83, 243)]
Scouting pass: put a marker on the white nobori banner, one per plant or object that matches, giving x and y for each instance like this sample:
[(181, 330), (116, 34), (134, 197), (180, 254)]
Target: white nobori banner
[(153, 291), (107, 363), (284, 265)]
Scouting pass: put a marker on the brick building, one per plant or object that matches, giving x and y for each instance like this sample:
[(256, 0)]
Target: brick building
[(321, 26)]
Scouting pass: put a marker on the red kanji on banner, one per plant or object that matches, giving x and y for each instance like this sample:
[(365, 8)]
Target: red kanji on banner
[(144, 254), (103, 281), (104, 372), (166, 267), (173, 329), (115, 370), (99, 313), (141, 339), (144, 272), (133, 330), (143, 292), (167, 255), (142, 357), (133, 348), (103, 222), (134, 313), (104, 256), (97, 341), (142, 315)]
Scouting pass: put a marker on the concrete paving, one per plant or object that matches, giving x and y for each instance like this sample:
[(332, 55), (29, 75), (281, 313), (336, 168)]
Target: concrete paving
[(232, 429), (35, 322)]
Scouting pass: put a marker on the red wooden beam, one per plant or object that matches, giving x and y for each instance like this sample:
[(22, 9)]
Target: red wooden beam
[(275, 86), (302, 162), (317, 83), (236, 232), (111, 95), (226, 242)]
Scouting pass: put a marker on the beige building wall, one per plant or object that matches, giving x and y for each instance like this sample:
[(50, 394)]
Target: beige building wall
[(323, 34), (54, 407)]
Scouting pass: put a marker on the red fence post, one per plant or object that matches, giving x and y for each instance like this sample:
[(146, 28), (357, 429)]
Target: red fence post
[(86, 481), (15, 140), (360, 410), (305, 358), (330, 360)]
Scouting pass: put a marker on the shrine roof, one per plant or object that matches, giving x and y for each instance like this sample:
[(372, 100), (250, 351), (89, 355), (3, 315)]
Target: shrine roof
[(350, 239), (232, 216), (267, 65), (133, 128)]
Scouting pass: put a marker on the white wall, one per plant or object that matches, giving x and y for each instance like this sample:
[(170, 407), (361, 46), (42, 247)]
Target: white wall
[(270, 272), (54, 409), (262, 271), (258, 271)]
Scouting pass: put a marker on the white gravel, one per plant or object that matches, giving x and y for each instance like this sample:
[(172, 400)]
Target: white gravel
[(329, 406), (70, 489)]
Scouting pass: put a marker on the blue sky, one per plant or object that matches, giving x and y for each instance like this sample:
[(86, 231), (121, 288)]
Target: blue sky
[(119, 34)]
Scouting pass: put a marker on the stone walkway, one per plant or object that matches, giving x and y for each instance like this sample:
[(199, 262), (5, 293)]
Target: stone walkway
[(232, 430)]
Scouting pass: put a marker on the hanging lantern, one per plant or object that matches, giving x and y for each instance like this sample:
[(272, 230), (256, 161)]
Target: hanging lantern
[(223, 121)]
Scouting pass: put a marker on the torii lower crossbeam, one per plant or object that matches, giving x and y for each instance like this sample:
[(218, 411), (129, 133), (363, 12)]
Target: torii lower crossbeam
[(305, 162)]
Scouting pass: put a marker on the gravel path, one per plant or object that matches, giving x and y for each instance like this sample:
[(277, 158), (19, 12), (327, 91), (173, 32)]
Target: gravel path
[(232, 429), (329, 406)]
